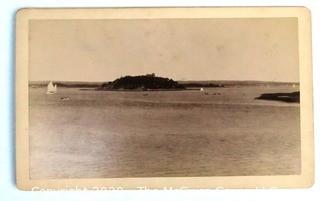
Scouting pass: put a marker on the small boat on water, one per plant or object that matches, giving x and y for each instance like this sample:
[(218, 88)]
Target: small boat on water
[(65, 98), (51, 89), (201, 89)]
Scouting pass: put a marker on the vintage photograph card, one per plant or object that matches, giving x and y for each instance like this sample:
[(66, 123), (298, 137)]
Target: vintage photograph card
[(155, 98)]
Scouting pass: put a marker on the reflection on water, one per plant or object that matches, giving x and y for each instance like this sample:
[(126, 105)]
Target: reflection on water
[(219, 131)]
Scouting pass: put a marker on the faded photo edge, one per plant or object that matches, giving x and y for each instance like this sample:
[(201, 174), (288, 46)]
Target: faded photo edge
[(305, 180)]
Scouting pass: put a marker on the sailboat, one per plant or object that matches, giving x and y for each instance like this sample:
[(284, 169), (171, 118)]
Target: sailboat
[(51, 89)]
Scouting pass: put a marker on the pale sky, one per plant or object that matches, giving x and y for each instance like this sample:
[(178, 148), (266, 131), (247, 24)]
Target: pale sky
[(182, 49)]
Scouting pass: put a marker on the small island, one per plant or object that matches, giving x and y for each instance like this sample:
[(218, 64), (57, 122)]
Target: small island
[(142, 83), (293, 97)]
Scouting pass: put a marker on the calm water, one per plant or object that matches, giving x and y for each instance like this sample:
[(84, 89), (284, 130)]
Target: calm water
[(169, 133)]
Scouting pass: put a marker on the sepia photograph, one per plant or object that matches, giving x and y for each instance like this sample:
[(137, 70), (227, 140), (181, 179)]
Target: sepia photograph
[(163, 97)]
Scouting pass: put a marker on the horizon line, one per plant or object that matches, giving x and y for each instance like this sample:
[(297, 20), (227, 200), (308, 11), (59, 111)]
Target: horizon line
[(174, 80)]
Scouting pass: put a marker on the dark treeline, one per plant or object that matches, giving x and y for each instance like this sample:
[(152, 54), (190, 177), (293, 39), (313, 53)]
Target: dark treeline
[(141, 82)]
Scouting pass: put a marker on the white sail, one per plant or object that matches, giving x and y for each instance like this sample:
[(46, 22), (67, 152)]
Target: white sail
[(201, 89), (51, 89)]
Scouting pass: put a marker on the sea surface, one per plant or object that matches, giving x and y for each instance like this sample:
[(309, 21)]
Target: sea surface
[(84, 133)]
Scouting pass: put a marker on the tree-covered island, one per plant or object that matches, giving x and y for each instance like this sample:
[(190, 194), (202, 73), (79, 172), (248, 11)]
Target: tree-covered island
[(142, 82)]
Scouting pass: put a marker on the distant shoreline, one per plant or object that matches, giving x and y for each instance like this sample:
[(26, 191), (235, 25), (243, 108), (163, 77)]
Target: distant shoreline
[(204, 84), (146, 90)]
